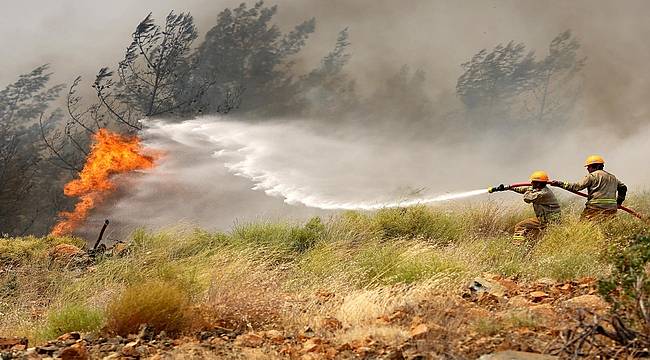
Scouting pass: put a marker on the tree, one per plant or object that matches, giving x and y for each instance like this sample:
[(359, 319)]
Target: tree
[(504, 83), (555, 75), (22, 168), (492, 79), (245, 51), (327, 90)]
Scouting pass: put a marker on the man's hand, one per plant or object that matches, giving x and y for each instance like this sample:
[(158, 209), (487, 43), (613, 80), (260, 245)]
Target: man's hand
[(619, 201), (556, 183)]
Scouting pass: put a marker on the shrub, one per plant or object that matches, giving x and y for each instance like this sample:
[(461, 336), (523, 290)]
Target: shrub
[(244, 294), (283, 240), (72, 317), (570, 250), (162, 306), (418, 222)]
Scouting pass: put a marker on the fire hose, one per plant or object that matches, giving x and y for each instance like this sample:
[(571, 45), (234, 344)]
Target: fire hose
[(621, 207)]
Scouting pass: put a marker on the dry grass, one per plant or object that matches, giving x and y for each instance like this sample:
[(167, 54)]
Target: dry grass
[(161, 306), (355, 267)]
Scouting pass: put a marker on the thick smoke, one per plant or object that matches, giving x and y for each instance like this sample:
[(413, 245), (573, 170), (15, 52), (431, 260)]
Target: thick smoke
[(298, 166), (219, 172)]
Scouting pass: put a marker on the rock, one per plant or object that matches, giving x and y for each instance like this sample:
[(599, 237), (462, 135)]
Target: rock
[(546, 281), (311, 345), (8, 343), (249, 340), (509, 284), (18, 347), (274, 335), (130, 349), (46, 350), (518, 301), (74, 352), (480, 285), (64, 251), (589, 302), (538, 295), (516, 355), (119, 249), (69, 336), (544, 312), (419, 331)]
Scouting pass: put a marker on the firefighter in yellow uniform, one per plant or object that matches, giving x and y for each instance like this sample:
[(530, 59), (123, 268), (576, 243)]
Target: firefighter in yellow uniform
[(545, 205), (605, 192)]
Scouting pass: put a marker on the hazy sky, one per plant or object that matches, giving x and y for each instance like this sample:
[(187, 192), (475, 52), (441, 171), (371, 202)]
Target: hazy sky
[(77, 37)]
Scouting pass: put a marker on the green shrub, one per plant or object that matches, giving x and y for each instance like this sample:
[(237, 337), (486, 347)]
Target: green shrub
[(162, 306), (28, 249), (570, 250), (280, 240), (418, 222), (70, 318)]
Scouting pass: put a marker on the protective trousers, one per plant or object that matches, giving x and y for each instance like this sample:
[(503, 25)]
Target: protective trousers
[(595, 214), (527, 228)]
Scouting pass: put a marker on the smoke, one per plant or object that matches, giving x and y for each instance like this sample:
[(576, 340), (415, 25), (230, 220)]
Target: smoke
[(78, 37), (217, 172)]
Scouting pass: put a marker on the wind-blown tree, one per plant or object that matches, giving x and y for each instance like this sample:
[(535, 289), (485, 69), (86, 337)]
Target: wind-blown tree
[(493, 79), (509, 86), (246, 51), (557, 87), (156, 78), (328, 90), (24, 192)]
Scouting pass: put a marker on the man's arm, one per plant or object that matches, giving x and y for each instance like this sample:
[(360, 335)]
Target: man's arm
[(582, 184), (520, 189), (531, 196)]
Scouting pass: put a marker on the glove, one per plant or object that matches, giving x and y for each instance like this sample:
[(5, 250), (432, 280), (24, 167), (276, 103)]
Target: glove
[(556, 183), (501, 187)]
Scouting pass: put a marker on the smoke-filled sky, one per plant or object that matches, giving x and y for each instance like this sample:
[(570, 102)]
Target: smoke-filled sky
[(207, 176), (77, 37)]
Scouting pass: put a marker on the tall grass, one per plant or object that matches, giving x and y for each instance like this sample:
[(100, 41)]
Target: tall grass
[(260, 274)]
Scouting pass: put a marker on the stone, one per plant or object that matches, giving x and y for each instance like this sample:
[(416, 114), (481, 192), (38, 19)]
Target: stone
[(518, 301), (311, 345), (479, 285), (69, 336), (274, 335), (74, 352), (419, 331), (249, 340), (538, 295), (9, 342), (516, 355), (589, 302)]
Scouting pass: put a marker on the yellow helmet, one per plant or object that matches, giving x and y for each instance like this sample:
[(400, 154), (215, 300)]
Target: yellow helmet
[(594, 159), (540, 176)]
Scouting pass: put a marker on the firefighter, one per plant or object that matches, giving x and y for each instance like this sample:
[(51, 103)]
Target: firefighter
[(545, 205), (605, 192)]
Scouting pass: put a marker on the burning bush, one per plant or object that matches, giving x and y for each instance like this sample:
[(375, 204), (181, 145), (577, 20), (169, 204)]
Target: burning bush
[(110, 154), (162, 306)]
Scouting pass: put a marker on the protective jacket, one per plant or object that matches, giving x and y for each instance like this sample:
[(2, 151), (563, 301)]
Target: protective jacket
[(544, 202), (602, 188)]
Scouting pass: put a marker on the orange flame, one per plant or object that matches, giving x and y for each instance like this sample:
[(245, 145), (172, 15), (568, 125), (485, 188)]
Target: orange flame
[(111, 154)]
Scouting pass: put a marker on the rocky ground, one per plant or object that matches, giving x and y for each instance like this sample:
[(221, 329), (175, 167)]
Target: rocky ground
[(493, 314)]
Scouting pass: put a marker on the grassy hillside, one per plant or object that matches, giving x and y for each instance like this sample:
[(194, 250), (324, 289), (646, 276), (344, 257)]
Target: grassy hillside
[(353, 268)]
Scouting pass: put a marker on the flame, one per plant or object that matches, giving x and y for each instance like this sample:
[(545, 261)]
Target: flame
[(110, 154)]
